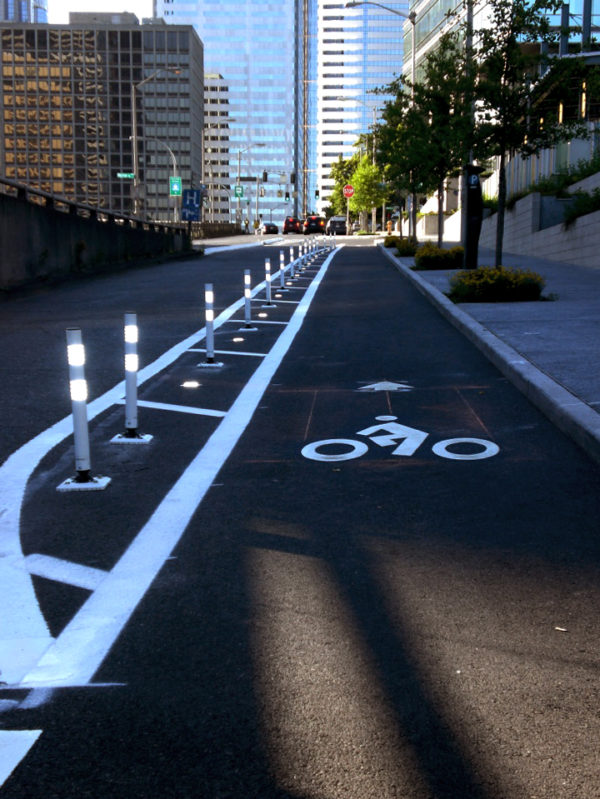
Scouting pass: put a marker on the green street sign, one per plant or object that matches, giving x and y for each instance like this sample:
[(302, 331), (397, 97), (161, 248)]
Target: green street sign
[(238, 191), (175, 189), (129, 175)]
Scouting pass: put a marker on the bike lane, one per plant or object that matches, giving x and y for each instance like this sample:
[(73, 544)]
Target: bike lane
[(406, 624), (418, 624)]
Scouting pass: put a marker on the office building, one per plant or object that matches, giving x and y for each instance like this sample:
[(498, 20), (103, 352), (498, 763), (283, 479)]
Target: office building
[(251, 43), (23, 11), (66, 105), (217, 148), (358, 50)]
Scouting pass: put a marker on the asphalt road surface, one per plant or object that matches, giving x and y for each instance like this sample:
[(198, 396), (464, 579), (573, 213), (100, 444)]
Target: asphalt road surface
[(353, 562)]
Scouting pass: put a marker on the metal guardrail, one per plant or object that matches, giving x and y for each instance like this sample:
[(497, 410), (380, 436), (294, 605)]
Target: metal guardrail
[(63, 204)]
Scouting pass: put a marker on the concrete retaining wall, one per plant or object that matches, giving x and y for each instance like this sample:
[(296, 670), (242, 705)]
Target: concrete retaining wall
[(580, 244), (42, 243)]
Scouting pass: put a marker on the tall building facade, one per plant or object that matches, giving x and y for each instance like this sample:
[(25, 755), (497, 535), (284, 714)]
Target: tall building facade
[(217, 148), (66, 110), (252, 44), (23, 11), (358, 50), (300, 76)]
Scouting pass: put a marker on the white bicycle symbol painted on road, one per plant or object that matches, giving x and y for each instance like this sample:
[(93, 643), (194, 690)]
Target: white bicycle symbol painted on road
[(405, 440)]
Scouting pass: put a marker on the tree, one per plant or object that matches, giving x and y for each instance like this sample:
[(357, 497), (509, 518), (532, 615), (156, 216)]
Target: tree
[(427, 131), (508, 56), (402, 145), (369, 191), (444, 98), (341, 173)]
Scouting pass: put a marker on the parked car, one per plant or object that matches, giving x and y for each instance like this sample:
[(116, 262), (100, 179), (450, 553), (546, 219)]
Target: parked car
[(269, 227), (292, 224), (314, 224), (336, 224)]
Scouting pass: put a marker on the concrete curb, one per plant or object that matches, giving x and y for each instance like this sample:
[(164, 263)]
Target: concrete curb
[(572, 416)]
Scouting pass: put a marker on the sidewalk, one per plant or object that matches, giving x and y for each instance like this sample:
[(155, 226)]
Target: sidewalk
[(550, 350)]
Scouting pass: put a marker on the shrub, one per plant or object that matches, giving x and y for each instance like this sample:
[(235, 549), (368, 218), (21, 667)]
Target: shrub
[(391, 241), (583, 203), (406, 248), (431, 257), (495, 284)]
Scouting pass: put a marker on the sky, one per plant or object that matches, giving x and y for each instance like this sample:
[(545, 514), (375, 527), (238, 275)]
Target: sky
[(58, 10)]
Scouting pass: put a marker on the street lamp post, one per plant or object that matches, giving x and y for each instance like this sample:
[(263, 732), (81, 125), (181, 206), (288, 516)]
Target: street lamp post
[(134, 132), (412, 18), (174, 163)]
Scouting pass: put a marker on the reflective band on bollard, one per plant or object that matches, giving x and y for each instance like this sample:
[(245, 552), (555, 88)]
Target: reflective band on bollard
[(131, 370), (268, 280), (247, 298), (282, 271), (131, 336), (209, 315), (78, 386), (78, 391)]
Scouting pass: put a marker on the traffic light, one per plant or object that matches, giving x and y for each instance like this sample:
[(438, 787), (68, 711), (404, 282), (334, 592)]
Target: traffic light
[(316, 194), (265, 176), (287, 196)]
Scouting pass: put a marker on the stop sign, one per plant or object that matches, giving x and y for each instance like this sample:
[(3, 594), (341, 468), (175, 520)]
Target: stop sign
[(348, 190)]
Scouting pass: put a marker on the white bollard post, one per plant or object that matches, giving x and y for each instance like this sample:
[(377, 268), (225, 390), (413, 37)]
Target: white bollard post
[(282, 271), (131, 336), (131, 370), (209, 314), (269, 303), (78, 390), (292, 269), (248, 300), (209, 304)]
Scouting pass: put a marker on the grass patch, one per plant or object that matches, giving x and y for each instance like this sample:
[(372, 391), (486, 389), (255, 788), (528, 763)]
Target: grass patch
[(496, 284)]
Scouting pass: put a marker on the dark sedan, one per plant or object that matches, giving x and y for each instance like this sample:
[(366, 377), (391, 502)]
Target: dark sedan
[(314, 224)]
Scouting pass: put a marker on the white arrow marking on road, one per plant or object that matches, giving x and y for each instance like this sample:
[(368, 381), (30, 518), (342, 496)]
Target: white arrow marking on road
[(386, 385), (14, 745)]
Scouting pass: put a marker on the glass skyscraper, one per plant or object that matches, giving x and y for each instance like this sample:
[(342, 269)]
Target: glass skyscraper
[(23, 11), (299, 76), (252, 45), (359, 50)]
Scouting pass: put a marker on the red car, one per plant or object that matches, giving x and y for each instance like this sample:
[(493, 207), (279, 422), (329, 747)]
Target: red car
[(292, 225)]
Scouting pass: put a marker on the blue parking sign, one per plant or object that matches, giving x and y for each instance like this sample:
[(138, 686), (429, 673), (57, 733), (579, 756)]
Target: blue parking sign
[(190, 206)]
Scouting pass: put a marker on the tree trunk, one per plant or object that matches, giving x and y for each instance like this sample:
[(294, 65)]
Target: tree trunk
[(440, 219), (413, 213), (501, 209)]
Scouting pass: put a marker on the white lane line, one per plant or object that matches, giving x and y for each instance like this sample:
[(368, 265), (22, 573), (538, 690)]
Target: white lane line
[(77, 653), (233, 352), (259, 322), (24, 633), (165, 406), (63, 571), (287, 302), (14, 745)]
